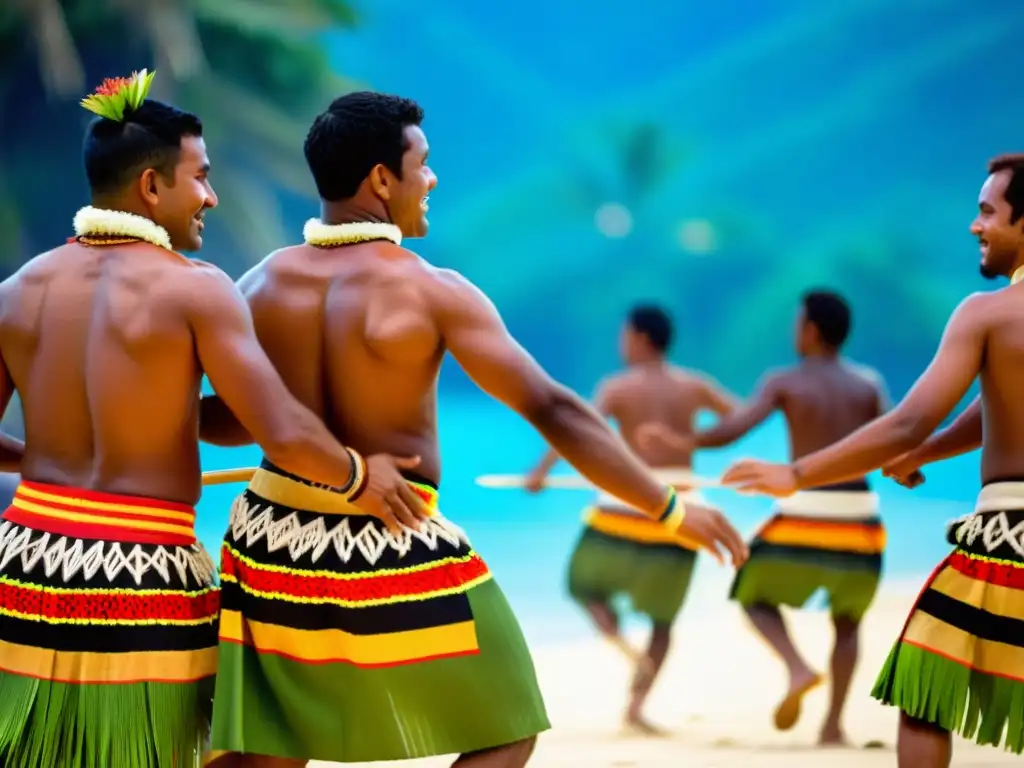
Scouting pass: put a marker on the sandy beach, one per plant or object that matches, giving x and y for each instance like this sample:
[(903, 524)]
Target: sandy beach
[(716, 697)]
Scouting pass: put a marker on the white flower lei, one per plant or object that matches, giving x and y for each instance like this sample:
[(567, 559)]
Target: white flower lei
[(327, 235), (99, 222)]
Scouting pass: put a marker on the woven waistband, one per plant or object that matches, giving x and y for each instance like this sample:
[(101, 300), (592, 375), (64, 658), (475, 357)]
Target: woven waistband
[(1000, 497), (830, 505), (289, 491), (87, 514)]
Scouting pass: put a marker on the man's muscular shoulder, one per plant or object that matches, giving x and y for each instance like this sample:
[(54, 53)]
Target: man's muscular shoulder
[(198, 284), (449, 289)]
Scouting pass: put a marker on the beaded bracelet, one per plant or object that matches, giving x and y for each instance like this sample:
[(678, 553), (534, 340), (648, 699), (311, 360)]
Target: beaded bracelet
[(360, 477), (675, 511)]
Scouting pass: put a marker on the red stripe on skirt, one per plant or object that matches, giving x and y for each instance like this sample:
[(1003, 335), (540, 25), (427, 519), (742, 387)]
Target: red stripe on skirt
[(109, 605), (1001, 574), (360, 589)]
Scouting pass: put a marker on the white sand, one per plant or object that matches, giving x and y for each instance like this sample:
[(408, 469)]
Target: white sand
[(716, 695)]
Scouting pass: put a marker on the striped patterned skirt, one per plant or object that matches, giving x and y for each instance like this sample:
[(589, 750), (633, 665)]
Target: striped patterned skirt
[(828, 540), (341, 641), (108, 631), (623, 552), (959, 662)]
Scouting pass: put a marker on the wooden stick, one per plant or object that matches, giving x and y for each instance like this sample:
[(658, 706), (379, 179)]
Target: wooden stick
[(578, 482), (224, 476)]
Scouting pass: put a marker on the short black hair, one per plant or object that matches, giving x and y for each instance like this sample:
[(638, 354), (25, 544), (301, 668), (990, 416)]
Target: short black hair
[(1014, 194), (654, 323), (115, 153), (830, 314), (356, 132)]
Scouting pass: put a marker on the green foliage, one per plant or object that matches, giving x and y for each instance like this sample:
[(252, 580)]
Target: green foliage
[(258, 75)]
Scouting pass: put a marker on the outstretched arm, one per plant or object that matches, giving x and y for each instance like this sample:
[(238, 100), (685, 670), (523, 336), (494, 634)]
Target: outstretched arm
[(479, 341), (475, 335), (537, 476), (737, 424), (962, 436), (717, 399), (942, 385)]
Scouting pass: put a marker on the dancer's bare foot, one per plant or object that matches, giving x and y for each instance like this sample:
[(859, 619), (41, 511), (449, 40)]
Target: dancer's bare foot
[(832, 736), (788, 711), (635, 724)]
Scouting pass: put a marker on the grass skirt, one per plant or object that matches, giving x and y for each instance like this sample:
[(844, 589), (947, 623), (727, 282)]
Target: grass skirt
[(107, 648), (342, 642), (959, 662)]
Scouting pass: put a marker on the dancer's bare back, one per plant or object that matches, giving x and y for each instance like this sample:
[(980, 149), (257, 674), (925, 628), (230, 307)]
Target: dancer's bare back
[(356, 333), (822, 399), (106, 347), (825, 400), (97, 341), (662, 394)]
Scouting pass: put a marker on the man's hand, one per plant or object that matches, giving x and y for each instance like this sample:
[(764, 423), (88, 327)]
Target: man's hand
[(710, 528), (535, 481), (905, 470), (388, 496), (750, 476), (653, 436)]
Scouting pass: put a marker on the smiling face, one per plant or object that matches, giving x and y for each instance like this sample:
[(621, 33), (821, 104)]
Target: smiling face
[(406, 197), (1000, 238), (179, 200)]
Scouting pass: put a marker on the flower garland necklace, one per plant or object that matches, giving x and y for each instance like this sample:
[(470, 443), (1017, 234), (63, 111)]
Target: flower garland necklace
[(321, 235), (98, 226)]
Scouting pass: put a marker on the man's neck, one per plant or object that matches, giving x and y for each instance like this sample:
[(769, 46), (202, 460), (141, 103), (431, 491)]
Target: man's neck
[(349, 212), (821, 356), (651, 364), (121, 204)]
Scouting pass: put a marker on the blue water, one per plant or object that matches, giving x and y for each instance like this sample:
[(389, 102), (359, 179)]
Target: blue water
[(526, 539)]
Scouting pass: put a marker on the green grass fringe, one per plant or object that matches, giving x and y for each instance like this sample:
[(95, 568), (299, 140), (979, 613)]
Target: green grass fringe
[(135, 725), (976, 705)]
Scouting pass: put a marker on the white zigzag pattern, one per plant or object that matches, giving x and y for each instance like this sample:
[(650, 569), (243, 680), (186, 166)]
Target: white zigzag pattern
[(252, 522), (993, 533), (70, 556)]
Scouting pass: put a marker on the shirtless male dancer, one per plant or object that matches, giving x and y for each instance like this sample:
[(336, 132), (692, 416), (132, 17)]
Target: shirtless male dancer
[(830, 537), (108, 610), (340, 640), (958, 665), (621, 550)]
